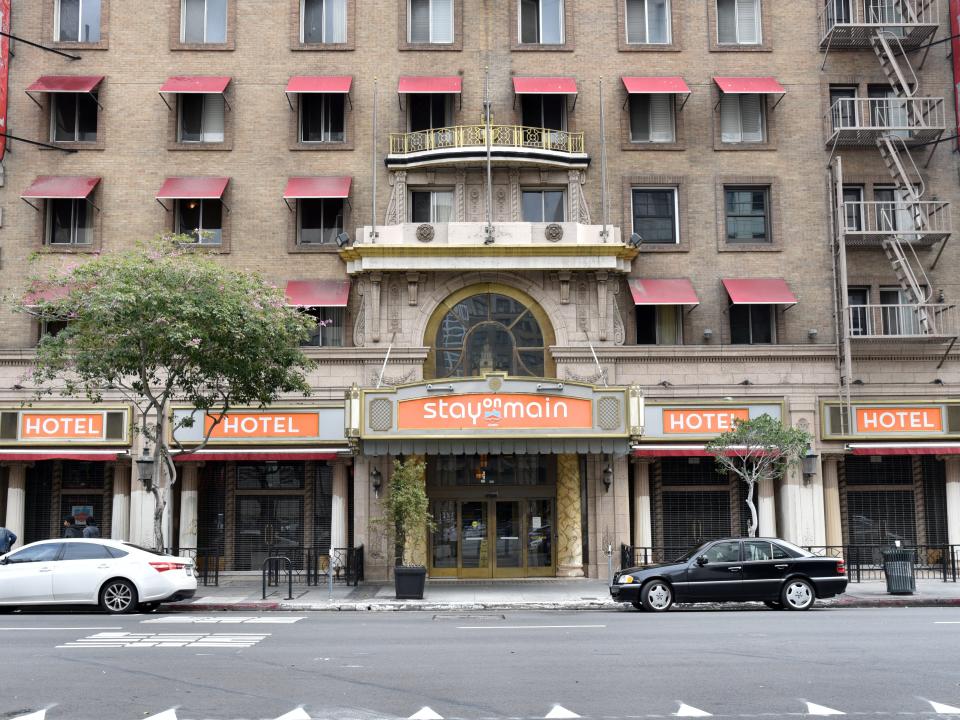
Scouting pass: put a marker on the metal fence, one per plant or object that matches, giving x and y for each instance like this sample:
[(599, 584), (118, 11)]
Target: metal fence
[(313, 565), (206, 563)]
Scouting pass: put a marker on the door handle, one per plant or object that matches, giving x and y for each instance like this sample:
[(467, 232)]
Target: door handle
[(735, 569), (45, 569), (781, 567), (103, 567)]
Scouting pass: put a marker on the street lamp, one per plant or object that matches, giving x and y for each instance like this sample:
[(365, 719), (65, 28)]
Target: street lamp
[(375, 480), (145, 468)]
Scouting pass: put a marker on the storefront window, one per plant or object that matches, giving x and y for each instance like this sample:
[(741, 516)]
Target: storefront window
[(460, 470), (269, 476)]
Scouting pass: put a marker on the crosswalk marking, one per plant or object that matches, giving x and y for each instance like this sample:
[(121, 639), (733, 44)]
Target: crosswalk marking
[(167, 640), (814, 709), (426, 713), (232, 620), (38, 715), (559, 712), (689, 711), (295, 714), (170, 714), (942, 709)]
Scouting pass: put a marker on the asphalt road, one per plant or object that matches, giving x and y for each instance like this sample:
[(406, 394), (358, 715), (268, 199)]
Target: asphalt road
[(480, 666)]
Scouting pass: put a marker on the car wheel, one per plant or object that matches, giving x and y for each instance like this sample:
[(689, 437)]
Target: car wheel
[(797, 594), (637, 605), (118, 596), (773, 604), (148, 607), (656, 596)]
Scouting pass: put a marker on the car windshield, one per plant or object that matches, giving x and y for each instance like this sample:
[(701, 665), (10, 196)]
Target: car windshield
[(690, 553)]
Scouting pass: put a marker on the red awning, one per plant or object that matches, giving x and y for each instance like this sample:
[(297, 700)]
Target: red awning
[(193, 188), (210, 85), (317, 187), (320, 84), (61, 186), (544, 86), (904, 449), (413, 85), (673, 451), (749, 85), (259, 455), (38, 455), (66, 84), (663, 292), (318, 293), (49, 294), (655, 85), (760, 291)]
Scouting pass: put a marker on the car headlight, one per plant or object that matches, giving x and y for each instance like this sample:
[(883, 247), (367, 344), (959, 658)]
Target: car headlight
[(626, 580)]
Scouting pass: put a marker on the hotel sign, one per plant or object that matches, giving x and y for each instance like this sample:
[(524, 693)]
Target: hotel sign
[(65, 426), (701, 420), (885, 420), (273, 426), (490, 411)]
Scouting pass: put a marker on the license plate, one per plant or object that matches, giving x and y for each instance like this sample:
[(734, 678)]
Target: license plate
[(188, 569)]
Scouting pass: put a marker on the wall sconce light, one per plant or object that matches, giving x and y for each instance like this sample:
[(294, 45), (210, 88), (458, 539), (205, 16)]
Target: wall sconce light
[(707, 334), (607, 476), (635, 240), (808, 465), (343, 239), (812, 333), (375, 479)]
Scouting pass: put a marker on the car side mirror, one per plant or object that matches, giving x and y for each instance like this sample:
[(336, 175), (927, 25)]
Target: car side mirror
[(702, 560), (4, 561)]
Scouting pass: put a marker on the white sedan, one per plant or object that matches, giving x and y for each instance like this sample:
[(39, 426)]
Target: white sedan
[(117, 576)]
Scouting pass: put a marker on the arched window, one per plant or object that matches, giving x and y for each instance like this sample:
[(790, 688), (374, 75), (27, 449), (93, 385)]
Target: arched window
[(489, 332)]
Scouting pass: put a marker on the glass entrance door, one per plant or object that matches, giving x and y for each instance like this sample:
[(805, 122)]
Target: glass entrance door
[(267, 525), (509, 556), (474, 540)]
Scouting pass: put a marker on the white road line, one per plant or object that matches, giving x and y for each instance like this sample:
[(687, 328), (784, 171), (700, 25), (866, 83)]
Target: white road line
[(821, 710), (295, 714), (942, 709), (97, 627), (559, 712), (426, 713), (688, 711), (170, 714), (238, 620), (947, 622), (143, 640), (524, 627), (38, 715)]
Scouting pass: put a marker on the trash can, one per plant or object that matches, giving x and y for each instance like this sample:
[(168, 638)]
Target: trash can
[(898, 568)]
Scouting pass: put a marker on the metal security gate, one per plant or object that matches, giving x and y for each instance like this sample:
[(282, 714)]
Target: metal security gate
[(692, 503), (879, 507)]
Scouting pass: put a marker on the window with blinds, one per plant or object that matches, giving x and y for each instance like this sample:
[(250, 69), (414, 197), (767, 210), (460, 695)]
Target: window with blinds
[(742, 118), (648, 22), (541, 22), (738, 22), (430, 21), (201, 118), (323, 21), (203, 21), (652, 119)]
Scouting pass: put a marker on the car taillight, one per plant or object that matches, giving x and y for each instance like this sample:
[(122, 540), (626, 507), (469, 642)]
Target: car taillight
[(841, 568), (161, 566)]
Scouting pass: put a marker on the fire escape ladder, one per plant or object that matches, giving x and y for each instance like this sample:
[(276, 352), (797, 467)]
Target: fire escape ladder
[(904, 171), (895, 63)]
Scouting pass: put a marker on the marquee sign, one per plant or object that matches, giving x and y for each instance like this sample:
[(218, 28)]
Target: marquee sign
[(697, 420), (896, 419), (65, 426), (269, 426)]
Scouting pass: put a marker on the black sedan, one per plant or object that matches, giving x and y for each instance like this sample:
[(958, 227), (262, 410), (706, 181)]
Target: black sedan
[(770, 570)]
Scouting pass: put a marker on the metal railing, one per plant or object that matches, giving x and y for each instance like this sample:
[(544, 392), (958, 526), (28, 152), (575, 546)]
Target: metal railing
[(206, 563), (270, 574), (347, 565), (902, 17), (905, 321), (863, 119), (865, 562), (475, 136), (910, 221)]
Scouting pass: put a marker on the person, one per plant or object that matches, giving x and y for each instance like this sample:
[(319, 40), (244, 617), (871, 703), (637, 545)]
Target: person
[(7, 539), (70, 529), (91, 530)]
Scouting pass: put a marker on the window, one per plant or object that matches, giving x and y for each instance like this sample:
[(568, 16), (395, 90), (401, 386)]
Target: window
[(431, 206), (648, 22), (756, 550), (328, 331), (843, 106), (742, 118), (430, 21), (544, 111), (319, 221), (201, 219), (655, 215), (429, 111), (69, 222), (893, 211), (652, 119), (73, 117), (37, 553), (321, 118), (323, 21), (543, 205), (724, 552), (659, 325), (853, 208), (748, 214), (541, 22), (902, 315), (201, 118), (52, 327), (751, 324), (738, 22), (203, 21), (77, 21), (858, 298), (888, 110), (85, 551)]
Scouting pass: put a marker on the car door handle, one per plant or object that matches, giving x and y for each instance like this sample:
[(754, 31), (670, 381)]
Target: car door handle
[(45, 569), (105, 566), (735, 569), (781, 567)]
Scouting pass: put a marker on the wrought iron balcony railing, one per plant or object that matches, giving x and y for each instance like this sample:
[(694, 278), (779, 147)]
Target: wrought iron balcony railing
[(861, 121), (854, 23), (867, 224), (909, 322), (475, 136)]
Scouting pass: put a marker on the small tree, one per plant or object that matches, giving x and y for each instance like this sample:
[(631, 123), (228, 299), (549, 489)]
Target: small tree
[(406, 509), (166, 324), (758, 449)]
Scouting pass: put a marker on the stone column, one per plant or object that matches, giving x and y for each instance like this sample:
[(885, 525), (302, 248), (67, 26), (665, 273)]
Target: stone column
[(188, 505), (120, 516), (766, 509), (831, 502), (953, 500), (141, 513), (642, 526), (17, 501), (569, 526), (789, 506), (338, 508)]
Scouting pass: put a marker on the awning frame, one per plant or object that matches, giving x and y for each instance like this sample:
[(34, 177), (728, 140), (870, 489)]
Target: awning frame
[(288, 93), (688, 307), (786, 305), (91, 94), (170, 209), (222, 94), (686, 97), (401, 94), (87, 198), (770, 108), (292, 208)]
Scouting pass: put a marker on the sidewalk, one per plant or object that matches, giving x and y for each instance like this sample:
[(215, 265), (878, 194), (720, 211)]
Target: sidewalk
[(243, 593)]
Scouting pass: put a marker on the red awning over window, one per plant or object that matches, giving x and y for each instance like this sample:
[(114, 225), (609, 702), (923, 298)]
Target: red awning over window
[(302, 188), (905, 449), (193, 188), (66, 84), (760, 291), (655, 85), (413, 85), (61, 186), (749, 85), (663, 292), (318, 293), (320, 84), (210, 85), (544, 86)]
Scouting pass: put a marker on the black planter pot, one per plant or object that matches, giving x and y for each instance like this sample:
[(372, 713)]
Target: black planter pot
[(410, 581)]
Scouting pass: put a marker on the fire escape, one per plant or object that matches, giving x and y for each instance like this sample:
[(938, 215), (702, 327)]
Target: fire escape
[(900, 124)]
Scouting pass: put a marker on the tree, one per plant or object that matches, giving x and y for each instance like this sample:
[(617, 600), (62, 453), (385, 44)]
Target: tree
[(760, 448), (161, 325), (406, 509)]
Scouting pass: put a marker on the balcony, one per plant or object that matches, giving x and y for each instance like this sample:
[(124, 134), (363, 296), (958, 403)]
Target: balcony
[(467, 144), (934, 323), (862, 121), (852, 24), (921, 224)]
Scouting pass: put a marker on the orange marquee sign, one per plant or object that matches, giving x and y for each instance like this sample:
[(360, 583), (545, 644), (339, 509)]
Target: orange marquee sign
[(701, 421), (260, 425), (495, 411), (62, 426), (899, 419)]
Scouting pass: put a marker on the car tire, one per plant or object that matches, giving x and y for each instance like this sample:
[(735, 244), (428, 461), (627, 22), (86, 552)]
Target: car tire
[(638, 605), (773, 604), (118, 596), (797, 594), (656, 596), (148, 607)]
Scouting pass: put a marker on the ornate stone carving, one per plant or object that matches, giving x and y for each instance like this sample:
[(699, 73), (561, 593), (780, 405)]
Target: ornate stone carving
[(619, 330), (359, 323), (375, 281), (394, 307), (596, 378), (396, 208), (569, 518), (425, 232), (582, 306), (460, 196), (553, 232), (393, 380), (564, 278), (501, 196), (413, 288), (602, 303), (515, 214)]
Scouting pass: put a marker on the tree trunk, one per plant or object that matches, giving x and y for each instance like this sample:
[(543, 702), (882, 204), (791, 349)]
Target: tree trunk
[(752, 529)]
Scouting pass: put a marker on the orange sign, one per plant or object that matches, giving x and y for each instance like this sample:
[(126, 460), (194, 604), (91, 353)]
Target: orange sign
[(61, 426), (899, 419), (701, 421), (492, 411), (249, 425)]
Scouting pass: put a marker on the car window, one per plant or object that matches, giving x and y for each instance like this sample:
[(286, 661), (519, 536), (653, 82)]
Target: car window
[(779, 553), (146, 550), (723, 552), (116, 552), (792, 550), (85, 551), (756, 550), (36, 553)]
